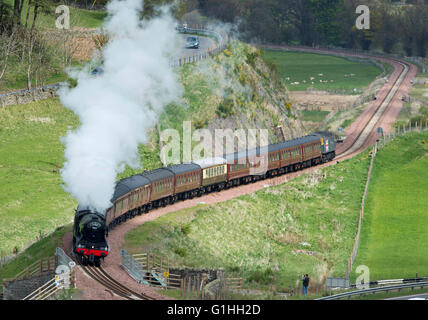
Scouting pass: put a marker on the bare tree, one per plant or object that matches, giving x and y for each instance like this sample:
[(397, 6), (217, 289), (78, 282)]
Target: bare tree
[(7, 51)]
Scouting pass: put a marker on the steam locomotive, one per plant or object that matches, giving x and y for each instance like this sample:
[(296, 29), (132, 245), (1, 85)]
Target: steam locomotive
[(89, 236), (142, 192)]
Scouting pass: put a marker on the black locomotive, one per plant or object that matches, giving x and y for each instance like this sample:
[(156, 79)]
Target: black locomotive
[(89, 236)]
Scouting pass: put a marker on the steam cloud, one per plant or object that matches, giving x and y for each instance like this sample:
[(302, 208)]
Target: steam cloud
[(118, 106)]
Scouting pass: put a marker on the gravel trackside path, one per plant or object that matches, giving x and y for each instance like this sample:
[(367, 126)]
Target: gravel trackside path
[(94, 291)]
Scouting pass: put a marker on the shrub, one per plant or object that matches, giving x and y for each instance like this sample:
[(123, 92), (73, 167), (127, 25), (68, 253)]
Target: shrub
[(225, 108), (199, 123), (185, 229), (262, 276), (180, 251)]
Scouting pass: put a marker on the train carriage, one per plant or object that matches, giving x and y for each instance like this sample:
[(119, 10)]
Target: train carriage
[(187, 180), (214, 173), (130, 193), (162, 186), (238, 167)]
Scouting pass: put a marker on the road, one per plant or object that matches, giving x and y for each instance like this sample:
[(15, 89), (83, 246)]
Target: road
[(204, 44)]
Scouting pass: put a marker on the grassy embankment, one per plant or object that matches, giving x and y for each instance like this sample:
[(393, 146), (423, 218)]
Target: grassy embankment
[(32, 200), (393, 235), (258, 236)]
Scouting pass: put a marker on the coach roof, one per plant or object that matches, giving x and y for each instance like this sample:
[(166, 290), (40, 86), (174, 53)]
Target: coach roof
[(127, 184), (184, 167), (158, 174), (209, 162)]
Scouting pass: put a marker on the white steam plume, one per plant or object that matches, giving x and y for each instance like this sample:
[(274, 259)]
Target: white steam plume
[(118, 106)]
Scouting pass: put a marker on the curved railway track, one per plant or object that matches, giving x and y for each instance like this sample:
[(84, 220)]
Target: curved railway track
[(103, 278), (360, 140), (363, 135)]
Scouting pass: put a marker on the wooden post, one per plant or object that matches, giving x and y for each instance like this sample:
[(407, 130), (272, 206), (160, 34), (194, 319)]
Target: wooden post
[(195, 286), (198, 285), (72, 278), (49, 263), (189, 283), (182, 288), (147, 261), (28, 272), (41, 265)]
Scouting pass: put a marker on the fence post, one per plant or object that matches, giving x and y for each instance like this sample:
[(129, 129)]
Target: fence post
[(182, 287)]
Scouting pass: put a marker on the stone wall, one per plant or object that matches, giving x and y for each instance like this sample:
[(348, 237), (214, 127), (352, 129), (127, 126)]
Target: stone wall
[(27, 96), (19, 289)]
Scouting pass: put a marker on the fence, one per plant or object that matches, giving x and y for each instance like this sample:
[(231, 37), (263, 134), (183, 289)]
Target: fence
[(53, 286), (154, 270), (63, 258), (36, 268), (150, 270)]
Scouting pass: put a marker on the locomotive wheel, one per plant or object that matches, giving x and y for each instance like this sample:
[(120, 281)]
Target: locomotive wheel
[(97, 263)]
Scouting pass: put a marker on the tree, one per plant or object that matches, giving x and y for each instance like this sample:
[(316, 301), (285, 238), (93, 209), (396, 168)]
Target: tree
[(385, 33), (302, 17), (325, 14)]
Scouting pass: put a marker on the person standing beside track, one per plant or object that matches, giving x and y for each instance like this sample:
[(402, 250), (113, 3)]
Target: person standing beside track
[(305, 280)]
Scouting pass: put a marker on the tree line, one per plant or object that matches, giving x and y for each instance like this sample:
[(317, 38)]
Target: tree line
[(394, 27)]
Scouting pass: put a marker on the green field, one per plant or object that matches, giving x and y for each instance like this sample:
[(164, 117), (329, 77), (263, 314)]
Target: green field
[(80, 18), (301, 67), (313, 115), (32, 201), (31, 198), (394, 230), (257, 236)]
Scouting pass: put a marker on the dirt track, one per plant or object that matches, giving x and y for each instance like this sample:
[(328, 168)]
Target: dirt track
[(92, 290)]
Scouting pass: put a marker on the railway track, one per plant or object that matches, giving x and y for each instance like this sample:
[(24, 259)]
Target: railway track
[(363, 135), (115, 287), (360, 142)]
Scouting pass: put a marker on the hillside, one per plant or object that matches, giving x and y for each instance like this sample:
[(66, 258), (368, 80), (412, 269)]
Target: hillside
[(31, 152), (234, 90)]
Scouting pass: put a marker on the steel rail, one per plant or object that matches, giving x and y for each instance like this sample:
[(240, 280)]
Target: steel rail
[(107, 281)]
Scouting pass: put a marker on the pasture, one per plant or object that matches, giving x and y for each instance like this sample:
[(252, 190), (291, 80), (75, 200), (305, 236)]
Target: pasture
[(394, 230), (322, 72)]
